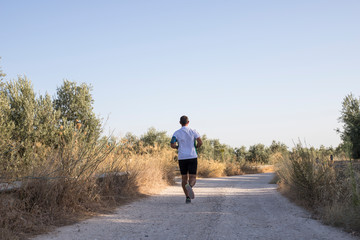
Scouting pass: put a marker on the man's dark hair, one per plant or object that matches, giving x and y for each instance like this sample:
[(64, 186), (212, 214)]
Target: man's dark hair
[(184, 120)]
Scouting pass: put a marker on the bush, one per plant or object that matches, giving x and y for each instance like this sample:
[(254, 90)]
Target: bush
[(258, 153), (350, 116), (308, 179)]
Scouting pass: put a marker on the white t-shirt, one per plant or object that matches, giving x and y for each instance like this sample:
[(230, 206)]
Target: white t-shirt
[(186, 137)]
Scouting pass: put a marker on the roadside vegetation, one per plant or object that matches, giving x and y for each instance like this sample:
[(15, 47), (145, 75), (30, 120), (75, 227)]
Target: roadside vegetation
[(330, 189), (57, 166)]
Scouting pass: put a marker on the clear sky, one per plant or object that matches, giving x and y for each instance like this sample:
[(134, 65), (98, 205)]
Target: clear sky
[(245, 72)]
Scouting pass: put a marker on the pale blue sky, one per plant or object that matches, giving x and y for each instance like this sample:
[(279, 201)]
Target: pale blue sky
[(245, 72)]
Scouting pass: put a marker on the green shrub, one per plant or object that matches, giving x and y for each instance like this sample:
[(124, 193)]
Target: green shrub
[(310, 179), (153, 137), (258, 153)]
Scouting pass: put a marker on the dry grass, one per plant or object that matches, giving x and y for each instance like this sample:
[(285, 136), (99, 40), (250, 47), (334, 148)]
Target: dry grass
[(344, 210), (211, 168), (253, 168), (233, 168), (40, 203), (153, 171), (267, 168), (311, 180), (82, 179), (332, 194), (340, 215), (276, 157)]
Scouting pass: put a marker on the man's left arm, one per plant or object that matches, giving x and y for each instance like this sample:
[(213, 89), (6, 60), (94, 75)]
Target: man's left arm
[(173, 143)]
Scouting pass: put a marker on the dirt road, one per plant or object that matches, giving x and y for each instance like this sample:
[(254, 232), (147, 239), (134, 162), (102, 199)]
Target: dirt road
[(239, 207)]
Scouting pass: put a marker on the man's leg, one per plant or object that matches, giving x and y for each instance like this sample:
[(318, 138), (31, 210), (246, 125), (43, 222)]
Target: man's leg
[(192, 172), (184, 175), (192, 180), (184, 181), (192, 177)]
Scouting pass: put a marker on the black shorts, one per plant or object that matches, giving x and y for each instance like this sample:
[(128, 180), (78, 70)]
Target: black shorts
[(188, 166)]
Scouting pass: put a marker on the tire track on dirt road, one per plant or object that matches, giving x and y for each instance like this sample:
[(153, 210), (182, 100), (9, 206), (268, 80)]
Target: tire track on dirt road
[(238, 207)]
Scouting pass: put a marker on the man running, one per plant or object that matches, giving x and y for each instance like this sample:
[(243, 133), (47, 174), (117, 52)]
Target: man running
[(187, 141)]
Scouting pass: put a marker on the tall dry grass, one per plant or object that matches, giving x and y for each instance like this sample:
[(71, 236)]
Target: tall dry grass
[(332, 194), (80, 179), (151, 168), (344, 210), (59, 186), (210, 168), (309, 179)]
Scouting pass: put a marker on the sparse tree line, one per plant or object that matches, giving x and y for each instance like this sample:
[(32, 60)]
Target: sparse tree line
[(32, 125)]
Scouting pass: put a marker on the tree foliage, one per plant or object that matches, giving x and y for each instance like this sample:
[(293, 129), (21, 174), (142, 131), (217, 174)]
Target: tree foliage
[(277, 147), (46, 121), (22, 102), (240, 153), (152, 137), (258, 153), (214, 150), (6, 126), (75, 104), (30, 125), (350, 117)]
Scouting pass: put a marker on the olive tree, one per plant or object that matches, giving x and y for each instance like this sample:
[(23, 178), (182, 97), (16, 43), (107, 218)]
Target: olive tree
[(258, 153), (75, 104), (350, 117), (152, 137)]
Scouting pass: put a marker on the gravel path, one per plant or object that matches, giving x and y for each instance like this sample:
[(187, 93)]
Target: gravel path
[(238, 207)]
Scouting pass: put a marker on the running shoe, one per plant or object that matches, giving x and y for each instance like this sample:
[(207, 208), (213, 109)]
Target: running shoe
[(190, 191), (188, 200)]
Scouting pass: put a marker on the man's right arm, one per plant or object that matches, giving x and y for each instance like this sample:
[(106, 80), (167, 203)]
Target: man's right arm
[(199, 142)]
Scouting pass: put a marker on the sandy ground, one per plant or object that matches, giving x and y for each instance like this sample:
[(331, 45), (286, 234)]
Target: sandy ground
[(238, 207)]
